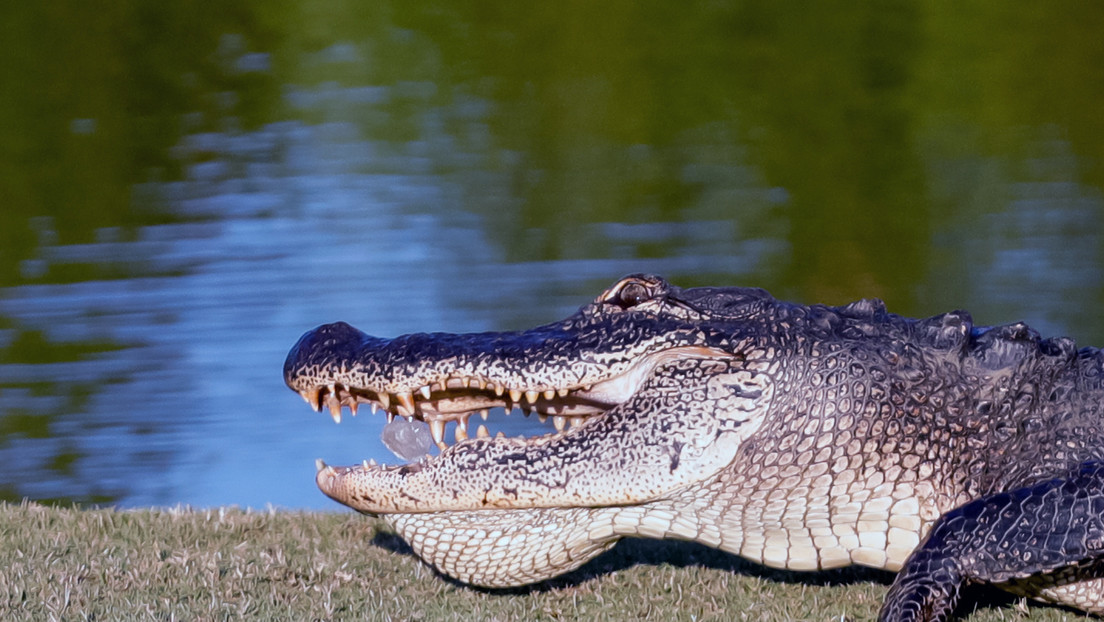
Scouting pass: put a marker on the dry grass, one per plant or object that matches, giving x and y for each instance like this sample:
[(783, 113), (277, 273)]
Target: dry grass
[(67, 564)]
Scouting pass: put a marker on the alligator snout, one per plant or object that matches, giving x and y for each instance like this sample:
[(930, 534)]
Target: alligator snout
[(320, 347)]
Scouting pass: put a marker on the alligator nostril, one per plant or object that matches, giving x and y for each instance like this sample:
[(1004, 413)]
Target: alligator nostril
[(329, 334), (324, 344)]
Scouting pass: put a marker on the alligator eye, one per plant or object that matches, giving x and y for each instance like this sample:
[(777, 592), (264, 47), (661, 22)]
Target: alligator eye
[(633, 294)]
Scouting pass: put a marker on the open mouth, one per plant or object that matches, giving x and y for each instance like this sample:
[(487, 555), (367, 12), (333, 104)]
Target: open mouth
[(454, 398)]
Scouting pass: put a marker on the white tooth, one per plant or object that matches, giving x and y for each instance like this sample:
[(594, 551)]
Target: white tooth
[(576, 421), (484, 414), (563, 392), (406, 399), (500, 434), (425, 391), (515, 395), (460, 434), (372, 462), (409, 418), (499, 389), (532, 396), (384, 400), (559, 422), (437, 430), (462, 423), (390, 416), (549, 394), (482, 432), (481, 383), (319, 464), (374, 407), (364, 464), (310, 396)]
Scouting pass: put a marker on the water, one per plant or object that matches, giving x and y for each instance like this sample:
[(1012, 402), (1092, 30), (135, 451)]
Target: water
[(184, 201)]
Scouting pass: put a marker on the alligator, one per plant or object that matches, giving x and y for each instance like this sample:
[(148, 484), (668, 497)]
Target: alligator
[(800, 437)]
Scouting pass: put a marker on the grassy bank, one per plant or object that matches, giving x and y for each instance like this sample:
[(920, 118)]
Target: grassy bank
[(66, 564)]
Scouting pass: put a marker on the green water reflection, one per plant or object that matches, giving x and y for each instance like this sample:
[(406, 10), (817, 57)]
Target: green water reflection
[(934, 155)]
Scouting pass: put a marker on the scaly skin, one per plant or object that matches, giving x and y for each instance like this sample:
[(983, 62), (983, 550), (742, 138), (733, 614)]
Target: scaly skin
[(800, 437)]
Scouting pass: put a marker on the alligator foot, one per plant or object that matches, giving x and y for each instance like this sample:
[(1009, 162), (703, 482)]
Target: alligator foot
[(1028, 540)]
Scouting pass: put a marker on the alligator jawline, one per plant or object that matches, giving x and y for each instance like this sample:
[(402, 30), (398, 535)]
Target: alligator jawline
[(455, 398)]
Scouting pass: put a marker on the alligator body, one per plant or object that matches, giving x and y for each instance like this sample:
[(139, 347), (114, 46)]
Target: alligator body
[(801, 437)]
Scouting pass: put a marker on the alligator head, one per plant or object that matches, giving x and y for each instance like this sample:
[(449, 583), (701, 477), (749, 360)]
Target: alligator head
[(653, 389)]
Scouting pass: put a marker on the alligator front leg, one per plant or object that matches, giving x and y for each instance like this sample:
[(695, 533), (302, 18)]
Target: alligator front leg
[(1030, 541)]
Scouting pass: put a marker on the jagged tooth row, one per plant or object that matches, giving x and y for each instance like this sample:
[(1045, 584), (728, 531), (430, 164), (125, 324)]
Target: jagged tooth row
[(334, 396)]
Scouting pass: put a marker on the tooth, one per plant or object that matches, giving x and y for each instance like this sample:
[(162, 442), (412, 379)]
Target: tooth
[(311, 397), (462, 423), (374, 406), (353, 407), (460, 433), (484, 414), (543, 417), (482, 432), (559, 422), (500, 434), (425, 391), (532, 396), (442, 446), (499, 389), (335, 409), (384, 400), (587, 387), (563, 392), (319, 464), (409, 418), (364, 464), (406, 399), (372, 462), (549, 394), (515, 395), (437, 430), (576, 421), (390, 416), (481, 383)]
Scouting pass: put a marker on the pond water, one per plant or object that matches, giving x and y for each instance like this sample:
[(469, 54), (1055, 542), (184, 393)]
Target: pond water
[(185, 194)]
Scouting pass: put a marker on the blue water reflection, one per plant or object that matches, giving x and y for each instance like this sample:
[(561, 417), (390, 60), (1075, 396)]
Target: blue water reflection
[(144, 323)]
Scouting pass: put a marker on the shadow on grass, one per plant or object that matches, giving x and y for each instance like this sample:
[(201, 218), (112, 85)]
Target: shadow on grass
[(631, 552)]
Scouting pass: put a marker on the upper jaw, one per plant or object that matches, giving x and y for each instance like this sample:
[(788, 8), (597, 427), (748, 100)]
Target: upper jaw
[(336, 366)]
